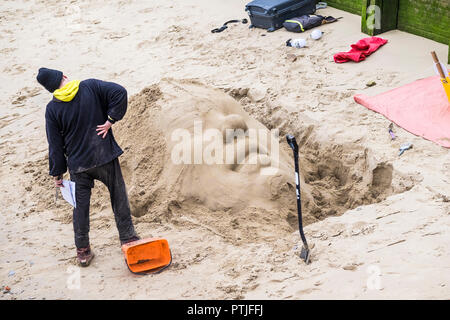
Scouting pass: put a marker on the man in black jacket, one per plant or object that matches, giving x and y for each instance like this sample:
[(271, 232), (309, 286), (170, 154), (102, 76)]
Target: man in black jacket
[(78, 124)]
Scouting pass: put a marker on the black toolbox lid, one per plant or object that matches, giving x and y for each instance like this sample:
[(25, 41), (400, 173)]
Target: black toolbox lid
[(269, 4)]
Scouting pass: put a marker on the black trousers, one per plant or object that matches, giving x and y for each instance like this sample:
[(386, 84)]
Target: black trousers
[(111, 175)]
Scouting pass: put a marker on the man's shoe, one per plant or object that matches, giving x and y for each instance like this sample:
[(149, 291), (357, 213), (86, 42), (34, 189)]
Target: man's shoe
[(134, 238), (85, 256)]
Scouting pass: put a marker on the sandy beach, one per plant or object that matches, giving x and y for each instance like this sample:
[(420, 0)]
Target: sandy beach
[(376, 222)]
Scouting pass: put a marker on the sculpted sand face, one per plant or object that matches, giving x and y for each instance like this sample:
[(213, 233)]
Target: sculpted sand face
[(235, 161), (212, 162)]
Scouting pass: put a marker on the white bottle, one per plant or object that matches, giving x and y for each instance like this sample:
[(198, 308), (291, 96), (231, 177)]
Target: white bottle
[(297, 43), (316, 34)]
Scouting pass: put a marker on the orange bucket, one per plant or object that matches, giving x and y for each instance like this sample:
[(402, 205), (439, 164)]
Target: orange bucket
[(151, 255)]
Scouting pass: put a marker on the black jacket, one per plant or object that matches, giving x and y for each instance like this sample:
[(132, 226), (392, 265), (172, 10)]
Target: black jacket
[(71, 127)]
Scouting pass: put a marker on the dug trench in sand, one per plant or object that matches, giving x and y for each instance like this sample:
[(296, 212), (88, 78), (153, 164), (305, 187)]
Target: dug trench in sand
[(237, 202)]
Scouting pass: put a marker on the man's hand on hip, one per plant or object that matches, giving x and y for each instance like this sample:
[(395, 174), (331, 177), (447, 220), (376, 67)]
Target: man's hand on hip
[(58, 181), (103, 129)]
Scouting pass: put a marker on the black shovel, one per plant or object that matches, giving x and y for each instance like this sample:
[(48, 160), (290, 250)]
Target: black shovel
[(304, 254)]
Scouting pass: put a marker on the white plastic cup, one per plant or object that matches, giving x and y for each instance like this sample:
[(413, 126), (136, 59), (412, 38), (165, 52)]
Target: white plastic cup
[(316, 34)]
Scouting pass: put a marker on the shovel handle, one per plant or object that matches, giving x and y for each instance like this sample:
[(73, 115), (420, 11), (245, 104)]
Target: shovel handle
[(293, 144), (438, 64)]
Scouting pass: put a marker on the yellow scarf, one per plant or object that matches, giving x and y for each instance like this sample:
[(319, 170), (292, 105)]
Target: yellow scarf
[(68, 92)]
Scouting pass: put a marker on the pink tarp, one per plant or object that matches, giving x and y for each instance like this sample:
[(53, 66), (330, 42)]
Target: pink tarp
[(421, 108)]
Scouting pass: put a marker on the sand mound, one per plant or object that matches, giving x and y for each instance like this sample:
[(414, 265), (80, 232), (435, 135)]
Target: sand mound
[(235, 201)]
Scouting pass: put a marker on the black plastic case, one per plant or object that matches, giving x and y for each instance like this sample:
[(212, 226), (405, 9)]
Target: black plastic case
[(270, 14)]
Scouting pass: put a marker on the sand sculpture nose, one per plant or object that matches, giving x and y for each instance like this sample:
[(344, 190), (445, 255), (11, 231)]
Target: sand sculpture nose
[(253, 155)]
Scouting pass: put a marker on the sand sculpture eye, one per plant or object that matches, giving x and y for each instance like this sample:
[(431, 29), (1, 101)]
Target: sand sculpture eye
[(233, 127)]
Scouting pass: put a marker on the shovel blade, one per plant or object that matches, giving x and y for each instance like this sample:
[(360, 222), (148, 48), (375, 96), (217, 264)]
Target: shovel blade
[(305, 255)]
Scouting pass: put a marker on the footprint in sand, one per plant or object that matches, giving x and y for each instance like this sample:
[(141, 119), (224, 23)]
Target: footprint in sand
[(144, 44), (116, 35), (146, 10), (7, 50), (6, 120), (306, 291), (20, 97), (15, 69), (118, 74)]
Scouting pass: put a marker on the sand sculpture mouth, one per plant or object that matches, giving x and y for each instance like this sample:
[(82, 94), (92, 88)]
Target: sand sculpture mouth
[(234, 201)]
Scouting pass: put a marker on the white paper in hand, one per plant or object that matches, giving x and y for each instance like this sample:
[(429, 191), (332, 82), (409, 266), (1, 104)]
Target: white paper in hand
[(68, 192)]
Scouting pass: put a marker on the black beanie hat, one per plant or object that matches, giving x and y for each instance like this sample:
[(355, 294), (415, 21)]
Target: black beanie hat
[(49, 78)]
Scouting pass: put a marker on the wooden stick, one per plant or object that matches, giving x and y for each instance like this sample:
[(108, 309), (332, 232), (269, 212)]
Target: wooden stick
[(438, 64)]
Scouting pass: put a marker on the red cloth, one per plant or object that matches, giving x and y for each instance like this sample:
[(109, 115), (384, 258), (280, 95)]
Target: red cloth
[(360, 50), (420, 107)]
